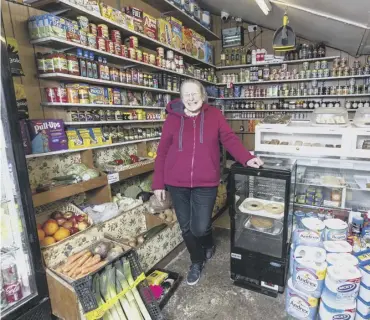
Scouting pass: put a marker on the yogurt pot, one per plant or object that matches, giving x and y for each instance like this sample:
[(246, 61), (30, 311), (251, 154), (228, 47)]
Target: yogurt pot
[(340, 259), (365, 272), (364, 292), (342, 285), (363, 307), (337, 247), (336, 230), (336, 311), (300, 305)]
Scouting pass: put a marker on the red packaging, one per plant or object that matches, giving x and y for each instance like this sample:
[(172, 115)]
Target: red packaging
[(124, 51), (13, 292), (109, 46), (131, 53), (115, 35), (117, 48), (61, 95), (50, 94), (145, 57), (100, 43), (150, 26), (103, 31)]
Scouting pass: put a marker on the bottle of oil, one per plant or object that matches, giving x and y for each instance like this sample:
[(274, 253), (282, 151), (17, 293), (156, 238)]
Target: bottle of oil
[(232, 57), (243, 56), (227, 58), (237, 56), (223, 58)]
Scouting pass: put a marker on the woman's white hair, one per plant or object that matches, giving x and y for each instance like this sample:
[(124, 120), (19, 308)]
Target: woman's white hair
[(203, 91)]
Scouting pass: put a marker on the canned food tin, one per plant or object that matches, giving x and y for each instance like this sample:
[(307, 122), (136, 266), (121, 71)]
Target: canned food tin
[(124, 51), (302, 74), (117, 49), (152, 59), (158, 61), (132, 53), (160, 52), (320, 73), (306, 65), (93, 29), (139, 55), (326, 73), (324, 64), (115, 35), (284, 67), (109, 47), (103, 31), (100, 43), (133, 42), (317, 65), (145, 57), (170, 55), (91, 40), (308, 73)]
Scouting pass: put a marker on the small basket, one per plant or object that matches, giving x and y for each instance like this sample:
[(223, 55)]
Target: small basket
[(85, 294), (48, 209)]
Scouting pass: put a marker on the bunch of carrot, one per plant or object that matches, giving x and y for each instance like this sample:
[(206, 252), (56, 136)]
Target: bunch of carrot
[(81, 264)]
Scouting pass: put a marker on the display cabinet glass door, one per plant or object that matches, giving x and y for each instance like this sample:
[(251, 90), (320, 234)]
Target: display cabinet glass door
[(259, 211)]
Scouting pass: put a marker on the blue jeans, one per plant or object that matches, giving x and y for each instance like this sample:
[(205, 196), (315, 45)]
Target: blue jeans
[(194, 208)]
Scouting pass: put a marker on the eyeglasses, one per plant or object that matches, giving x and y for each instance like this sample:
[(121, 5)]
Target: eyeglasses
[(187, 96)]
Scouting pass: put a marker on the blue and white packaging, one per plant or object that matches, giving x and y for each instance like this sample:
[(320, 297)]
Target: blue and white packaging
[(336, 311), (360, 316), (363, 257), (365, 272), (364, 292), (312, 233), (336, 230), (291, 259), (363, 307), (300, 305), (337, 247), (309, 270), (341, 258), (342, 285)]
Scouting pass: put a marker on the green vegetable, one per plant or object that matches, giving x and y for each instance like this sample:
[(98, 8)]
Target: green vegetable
[(89, 174), (128, 275), (112, 293), (103, 292), (153, 231), (76, 168), (99, 299), (68, 177)]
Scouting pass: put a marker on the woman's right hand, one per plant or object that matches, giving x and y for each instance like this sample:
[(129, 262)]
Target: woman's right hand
[(160, 194)]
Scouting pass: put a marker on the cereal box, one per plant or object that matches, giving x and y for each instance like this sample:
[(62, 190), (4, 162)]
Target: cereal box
[(96, 95), (137, 14), (150, 26), (176, 27), (198, 50), (47, 135), (187, 40), (209, 52), (164, 32)]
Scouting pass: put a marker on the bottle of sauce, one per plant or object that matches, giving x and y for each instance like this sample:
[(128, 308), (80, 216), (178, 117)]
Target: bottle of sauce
[(244, 56), (223, 58), (101, 68), (249, 56), (232, 57), (94, 64), (227, 58), (89, 70), (237, 56), (106, 68), (82, 63)]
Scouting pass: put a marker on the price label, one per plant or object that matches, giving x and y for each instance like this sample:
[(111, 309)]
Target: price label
[(113, 177)]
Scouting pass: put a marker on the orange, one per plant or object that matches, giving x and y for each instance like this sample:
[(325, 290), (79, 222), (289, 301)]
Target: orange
[(50, 227), (47, 241), (61, 234), (41, 234)]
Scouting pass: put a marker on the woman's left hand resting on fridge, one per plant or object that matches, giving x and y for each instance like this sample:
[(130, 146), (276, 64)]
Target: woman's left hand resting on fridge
[(255, 163)]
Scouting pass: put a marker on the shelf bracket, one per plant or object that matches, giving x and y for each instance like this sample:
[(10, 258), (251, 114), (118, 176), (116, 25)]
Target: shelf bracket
[(61, 11), (167, 13)]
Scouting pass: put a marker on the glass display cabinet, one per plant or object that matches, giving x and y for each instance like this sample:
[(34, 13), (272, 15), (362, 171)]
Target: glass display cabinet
[(261, 208)]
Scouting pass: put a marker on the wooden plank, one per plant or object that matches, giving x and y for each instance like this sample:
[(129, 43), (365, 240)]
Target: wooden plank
[(59, 193), (136, 171), (87, 158), (100, 195), (142, 149)]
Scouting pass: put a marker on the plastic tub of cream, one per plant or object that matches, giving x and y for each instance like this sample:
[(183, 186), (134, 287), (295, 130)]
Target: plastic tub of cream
[(363, 307), (336, 311), (342, 284), (364, 292), (336, 230), (300, 305), (337, 247), (341, 258)]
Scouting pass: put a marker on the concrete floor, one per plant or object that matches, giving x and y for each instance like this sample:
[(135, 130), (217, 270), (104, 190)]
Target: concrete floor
[(215, 297)]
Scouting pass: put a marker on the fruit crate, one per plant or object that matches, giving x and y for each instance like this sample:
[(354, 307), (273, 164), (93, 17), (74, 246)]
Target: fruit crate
[(45, 212), (123, 167), (177, 280), (84, 288)]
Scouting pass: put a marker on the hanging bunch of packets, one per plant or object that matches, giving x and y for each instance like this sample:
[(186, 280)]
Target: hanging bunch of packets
[(15, 63), (21, 100)]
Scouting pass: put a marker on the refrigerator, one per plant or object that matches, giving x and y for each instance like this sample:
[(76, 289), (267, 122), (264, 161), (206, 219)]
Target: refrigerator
[(24, 291)]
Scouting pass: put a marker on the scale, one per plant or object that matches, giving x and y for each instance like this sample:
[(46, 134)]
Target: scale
[(232, 37)]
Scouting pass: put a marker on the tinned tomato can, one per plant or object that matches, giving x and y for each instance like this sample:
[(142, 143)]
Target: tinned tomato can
[(134, 42), (115, 35), (100, 43), (109, 47), (103, 31)]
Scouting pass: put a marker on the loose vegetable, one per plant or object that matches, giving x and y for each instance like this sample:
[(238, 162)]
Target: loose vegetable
[(102, 249), (74, 257)]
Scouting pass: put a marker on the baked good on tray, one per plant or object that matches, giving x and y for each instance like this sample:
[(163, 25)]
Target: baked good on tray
[(274, 208), (253, 205), (261, 223)]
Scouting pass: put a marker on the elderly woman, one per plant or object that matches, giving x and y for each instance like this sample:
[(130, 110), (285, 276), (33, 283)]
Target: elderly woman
[(188, 166)]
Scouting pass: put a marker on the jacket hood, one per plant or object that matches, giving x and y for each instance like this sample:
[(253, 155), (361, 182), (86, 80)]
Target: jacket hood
[(176, 107)]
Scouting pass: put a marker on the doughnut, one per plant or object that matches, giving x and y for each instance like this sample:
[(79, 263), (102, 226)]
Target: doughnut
[(274, 208), (253, 205), (262, 223)]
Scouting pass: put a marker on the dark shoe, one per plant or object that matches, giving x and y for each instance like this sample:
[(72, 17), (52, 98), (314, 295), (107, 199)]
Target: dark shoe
[(194, 273), (210, 252)]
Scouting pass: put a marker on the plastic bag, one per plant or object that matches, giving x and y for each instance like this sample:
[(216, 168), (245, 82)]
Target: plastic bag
[(156, 206)]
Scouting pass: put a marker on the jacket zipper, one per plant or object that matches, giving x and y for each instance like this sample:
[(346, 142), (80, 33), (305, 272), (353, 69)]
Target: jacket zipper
[(192, 159)]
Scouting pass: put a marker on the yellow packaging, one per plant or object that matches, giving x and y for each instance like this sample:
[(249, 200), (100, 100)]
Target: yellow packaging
[(157, 277), (199, 43), (85, 135), (97, 137), (164, 32), (129, 21), (75, 141), (187, 40), (105, 10), (118, 16), (176, 28)]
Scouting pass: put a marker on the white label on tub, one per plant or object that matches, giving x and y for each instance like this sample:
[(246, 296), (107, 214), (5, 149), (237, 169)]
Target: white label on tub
[(337, 236), (309, 236), (300, 308), (236, 256), (307, 280)]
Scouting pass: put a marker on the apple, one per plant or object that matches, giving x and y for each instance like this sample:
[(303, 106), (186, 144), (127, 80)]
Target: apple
[(68, 214), (73, 219), (75, 224), (56, 215), (60, 221), (73, 230), (82, 225), (80, 218), (68, 225), (86, 217)]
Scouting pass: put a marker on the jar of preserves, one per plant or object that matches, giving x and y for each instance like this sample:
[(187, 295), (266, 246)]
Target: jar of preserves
[(134, 76), (41, 63), (60, 62), (140, 77), (122, 75), (72, 64)]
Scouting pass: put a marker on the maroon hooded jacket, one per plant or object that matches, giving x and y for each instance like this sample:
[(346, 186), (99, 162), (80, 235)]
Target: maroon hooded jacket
[(188, 154)]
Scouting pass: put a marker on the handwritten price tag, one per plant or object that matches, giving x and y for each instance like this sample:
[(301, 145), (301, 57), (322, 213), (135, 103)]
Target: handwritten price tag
[(113, 177)]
